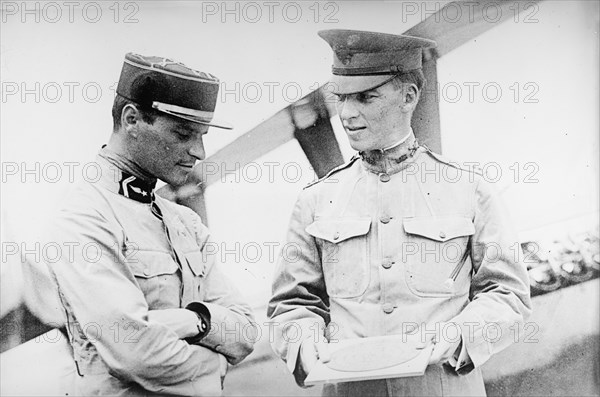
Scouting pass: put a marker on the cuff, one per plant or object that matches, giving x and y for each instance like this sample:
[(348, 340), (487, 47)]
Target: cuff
[(294, 364), (462, 362), (475, 348)]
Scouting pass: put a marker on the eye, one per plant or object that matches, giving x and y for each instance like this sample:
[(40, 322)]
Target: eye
[(365, 96), (183, 135)]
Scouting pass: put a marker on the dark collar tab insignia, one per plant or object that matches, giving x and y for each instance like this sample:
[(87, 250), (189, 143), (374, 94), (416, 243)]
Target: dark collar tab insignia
[(136, 189)]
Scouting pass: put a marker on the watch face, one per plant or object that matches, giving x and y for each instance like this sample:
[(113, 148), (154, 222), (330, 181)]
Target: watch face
[(201, 326)]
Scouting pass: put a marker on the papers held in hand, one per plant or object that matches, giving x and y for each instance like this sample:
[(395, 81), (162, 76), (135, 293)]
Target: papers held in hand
[(379, 357)]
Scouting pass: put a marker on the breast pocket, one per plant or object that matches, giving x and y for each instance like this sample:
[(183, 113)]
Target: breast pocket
[(436, 255), (197, 263), (344, 254), (156, 274)]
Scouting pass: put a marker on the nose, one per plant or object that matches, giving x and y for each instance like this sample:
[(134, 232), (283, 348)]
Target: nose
[(346, 109), (197, 148)]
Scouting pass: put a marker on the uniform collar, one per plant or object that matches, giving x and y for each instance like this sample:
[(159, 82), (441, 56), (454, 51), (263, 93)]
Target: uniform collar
[(391, 159), (124, 177)]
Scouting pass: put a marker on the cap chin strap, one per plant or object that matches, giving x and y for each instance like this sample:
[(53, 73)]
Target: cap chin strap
[(192, 114)]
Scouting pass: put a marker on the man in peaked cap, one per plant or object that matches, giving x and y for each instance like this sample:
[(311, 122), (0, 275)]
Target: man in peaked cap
[(146, 308), (395, 242)]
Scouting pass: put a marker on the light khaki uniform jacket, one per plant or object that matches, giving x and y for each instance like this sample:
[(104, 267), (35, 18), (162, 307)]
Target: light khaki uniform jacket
[(124, 295), (370, 251)]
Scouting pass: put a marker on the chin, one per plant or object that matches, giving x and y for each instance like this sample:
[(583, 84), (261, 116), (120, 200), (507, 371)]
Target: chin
[(359, 146), (175, 180), (178, 181)]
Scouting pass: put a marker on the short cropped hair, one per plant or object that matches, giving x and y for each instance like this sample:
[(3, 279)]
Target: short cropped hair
[(415, 77), (148, 115)]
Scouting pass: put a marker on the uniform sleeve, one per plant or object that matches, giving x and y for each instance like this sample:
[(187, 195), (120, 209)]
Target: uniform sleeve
[(299, 307), (101, 293), (500, 295), (181, 321), (233, 330)]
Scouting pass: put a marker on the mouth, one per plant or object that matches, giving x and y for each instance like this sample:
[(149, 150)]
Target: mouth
[(353, 130), (186, 166)]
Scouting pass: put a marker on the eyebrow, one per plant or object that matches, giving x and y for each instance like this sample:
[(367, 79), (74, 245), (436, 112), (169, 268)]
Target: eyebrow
[(371, 91)]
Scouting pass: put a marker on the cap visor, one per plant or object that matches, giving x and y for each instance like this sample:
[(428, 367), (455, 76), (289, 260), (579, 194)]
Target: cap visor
[(213, 123), (353, 84), (217, 123)]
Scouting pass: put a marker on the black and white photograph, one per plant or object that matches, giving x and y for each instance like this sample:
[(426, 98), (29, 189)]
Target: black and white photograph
[(300, 198)]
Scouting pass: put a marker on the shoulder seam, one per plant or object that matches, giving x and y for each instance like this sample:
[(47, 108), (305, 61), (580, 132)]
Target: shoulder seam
[(334, 170), (453, 164)]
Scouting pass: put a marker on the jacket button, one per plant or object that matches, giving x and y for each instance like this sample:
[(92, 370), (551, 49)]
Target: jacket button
[(385, 219), (387, 263), (388, 308), (442, 235), (336, 235), (384, 177)]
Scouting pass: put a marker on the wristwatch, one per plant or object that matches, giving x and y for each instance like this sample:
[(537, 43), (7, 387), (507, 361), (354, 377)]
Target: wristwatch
[(203, 324)]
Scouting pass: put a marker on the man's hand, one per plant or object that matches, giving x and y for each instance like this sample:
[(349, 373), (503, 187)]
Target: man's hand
[(446, 343), (310, 352)]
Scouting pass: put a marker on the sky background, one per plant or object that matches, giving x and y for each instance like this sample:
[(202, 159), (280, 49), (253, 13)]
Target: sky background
[(538, 113)]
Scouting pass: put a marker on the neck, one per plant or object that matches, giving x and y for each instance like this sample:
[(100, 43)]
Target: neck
[(116, 153), (400, 142), (389, 159)]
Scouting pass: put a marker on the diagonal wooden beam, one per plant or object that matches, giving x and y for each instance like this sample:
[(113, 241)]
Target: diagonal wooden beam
[(315, 134), (426, 117), (260, 140), (460, 21)]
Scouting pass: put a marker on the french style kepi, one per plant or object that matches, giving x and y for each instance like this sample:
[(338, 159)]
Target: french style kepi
[(170, 87), (367, 60)]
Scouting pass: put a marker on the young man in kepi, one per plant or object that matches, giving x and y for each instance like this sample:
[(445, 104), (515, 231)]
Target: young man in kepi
[(387, 244), (147, 311)]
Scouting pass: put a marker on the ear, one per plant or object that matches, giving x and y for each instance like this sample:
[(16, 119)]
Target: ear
[(410, 98), (130, 119)]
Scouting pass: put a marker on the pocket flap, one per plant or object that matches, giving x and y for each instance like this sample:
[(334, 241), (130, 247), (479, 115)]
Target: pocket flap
[(440, 228), (147, 264), (196, 263), (336, 230)]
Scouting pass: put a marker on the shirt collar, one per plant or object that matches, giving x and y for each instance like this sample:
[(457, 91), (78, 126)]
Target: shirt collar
[(390, 160), (119, 177)]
